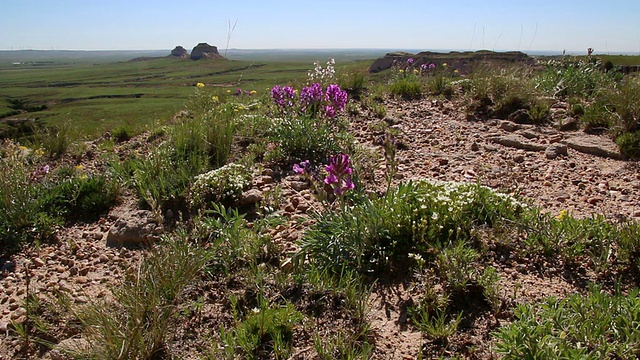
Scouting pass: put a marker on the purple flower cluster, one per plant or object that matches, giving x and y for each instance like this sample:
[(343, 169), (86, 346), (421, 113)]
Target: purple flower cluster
[(339, 174), (424, 67), (311, 94), (336, 98), (283, 96), (301, 168), (313, 99), (39, 173)]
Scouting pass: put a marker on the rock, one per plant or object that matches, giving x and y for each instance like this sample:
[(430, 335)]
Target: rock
[(134, 228), (68, 349), (179, 53), (594, 145), (250, 197), (509, 126), (521, 116), (567, 124), (37, 262), (555, 150), (518, 142), (205, 51)]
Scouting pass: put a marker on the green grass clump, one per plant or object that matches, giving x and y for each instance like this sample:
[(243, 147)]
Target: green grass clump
[(408, 88), (136, 325), (265, 332), (595, 326)]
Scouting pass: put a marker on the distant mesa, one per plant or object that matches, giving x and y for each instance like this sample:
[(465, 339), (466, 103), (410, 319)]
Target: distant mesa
[(205, 51), (462, 61), (179, 53)]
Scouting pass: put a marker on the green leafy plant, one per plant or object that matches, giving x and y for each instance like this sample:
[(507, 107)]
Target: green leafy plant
[(594, 326)]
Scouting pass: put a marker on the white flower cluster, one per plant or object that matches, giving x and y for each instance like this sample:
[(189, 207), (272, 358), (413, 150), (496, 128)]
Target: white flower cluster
[(319, 74), (223, 184)]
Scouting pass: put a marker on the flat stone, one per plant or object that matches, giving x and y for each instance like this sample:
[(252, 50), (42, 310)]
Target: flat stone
[(594, 145), (518, 142)]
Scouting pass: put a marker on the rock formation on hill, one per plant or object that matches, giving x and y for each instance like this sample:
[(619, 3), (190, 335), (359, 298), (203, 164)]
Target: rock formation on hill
[(179, 53), (462, 61), (205, 51)]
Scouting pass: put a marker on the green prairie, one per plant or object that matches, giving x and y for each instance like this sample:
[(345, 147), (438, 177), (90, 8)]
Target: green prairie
[(94, 98)]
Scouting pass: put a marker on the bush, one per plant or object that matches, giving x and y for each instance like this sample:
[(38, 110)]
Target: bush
[(78, 197), (162, 178), (412, 218), (305, 138), (629, 144), (409, 88)]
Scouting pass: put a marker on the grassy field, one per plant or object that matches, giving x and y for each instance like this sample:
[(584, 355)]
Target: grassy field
[(97, 97)]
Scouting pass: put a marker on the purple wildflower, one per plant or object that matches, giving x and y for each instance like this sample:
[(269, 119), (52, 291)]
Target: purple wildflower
[(339, 174), (337, 99), (432, 66), (301, 168), (423, 67), (238, 91), (311, 96), (283, 96), (410, 61)]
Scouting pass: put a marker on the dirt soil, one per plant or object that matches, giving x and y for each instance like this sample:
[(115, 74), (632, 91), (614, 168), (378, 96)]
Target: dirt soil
[(437, 142)]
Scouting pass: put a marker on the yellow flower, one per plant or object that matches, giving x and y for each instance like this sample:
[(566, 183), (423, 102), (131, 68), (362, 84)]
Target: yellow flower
[(23, 148), (415, 71), (401, 71), (253, 92), (456, 71), (214, 98), (444, 64), (39, 152), (228, 91), (200, 85), (79, 167), (563, 214)]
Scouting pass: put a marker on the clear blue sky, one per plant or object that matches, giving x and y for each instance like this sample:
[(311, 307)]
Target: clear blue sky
[(608, 26)]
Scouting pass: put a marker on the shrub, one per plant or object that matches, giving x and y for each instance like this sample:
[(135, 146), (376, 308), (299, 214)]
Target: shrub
[(306, 138), (624, 102), (78, 197), (572, 77), (121, 134), (595, 326), (21, 218), (408, 88), (629, 144), (224, 184), (596, 118), (412, 218), (162, 178)]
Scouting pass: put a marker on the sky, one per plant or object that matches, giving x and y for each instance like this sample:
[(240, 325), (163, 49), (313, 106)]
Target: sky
[(574, 25)]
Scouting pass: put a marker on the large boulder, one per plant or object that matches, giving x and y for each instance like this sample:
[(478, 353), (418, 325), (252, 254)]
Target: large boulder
[(205, 51), (133, 229), (179, 53)]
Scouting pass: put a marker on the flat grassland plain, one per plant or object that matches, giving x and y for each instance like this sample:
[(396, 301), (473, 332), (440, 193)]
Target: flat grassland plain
[(94, 92)]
